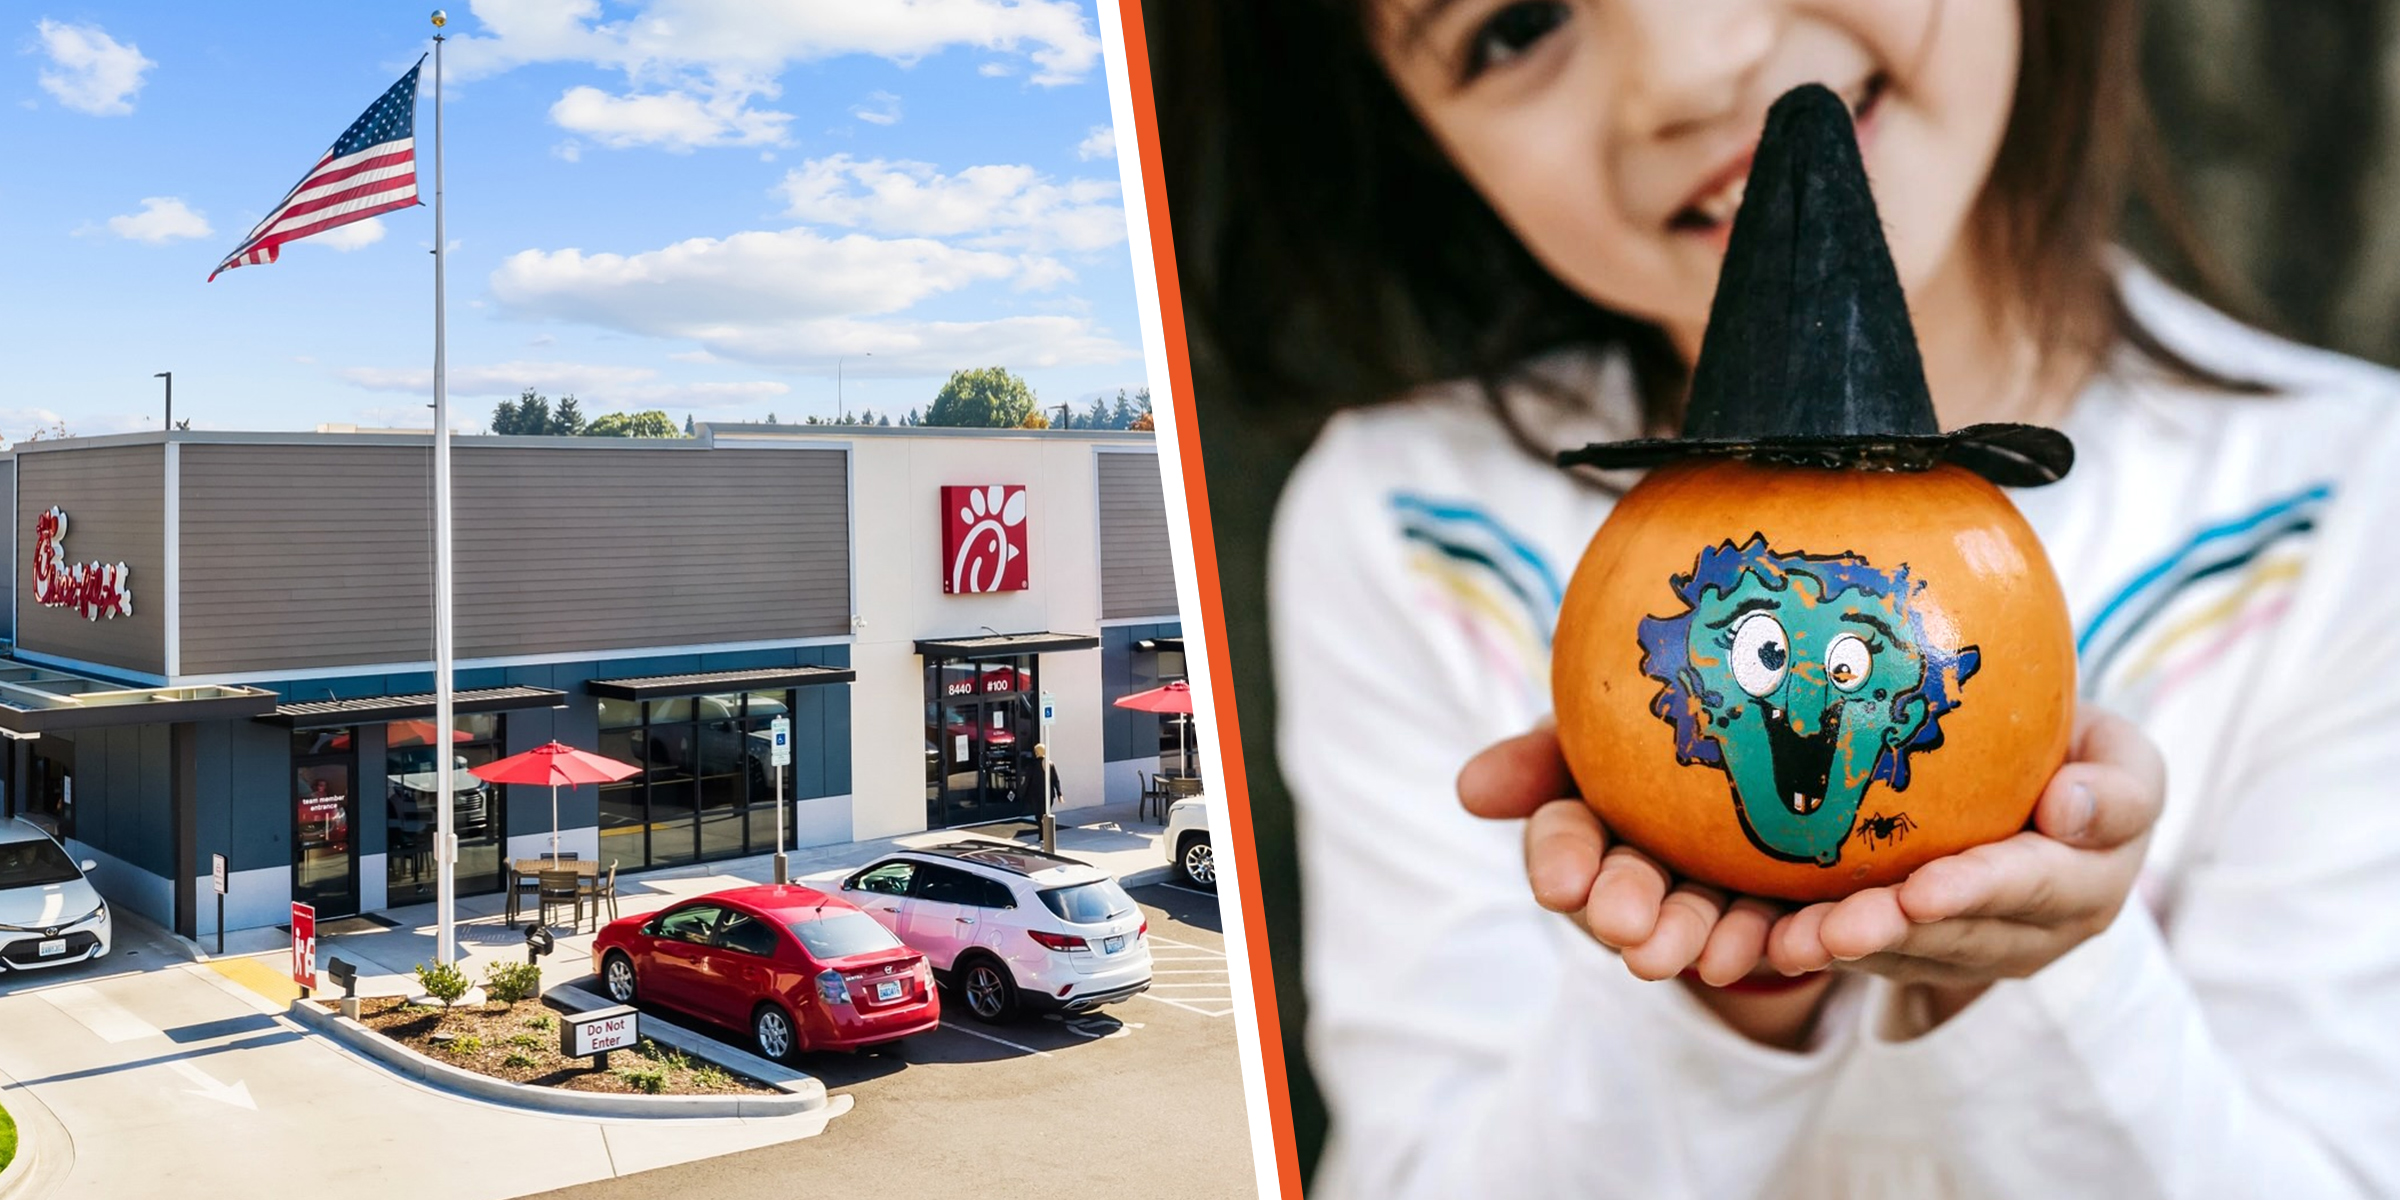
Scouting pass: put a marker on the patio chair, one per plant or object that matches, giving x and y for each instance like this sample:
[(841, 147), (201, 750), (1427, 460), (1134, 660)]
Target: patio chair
[(561, 887), (1181, 786), (599, 891), (1154, 796)]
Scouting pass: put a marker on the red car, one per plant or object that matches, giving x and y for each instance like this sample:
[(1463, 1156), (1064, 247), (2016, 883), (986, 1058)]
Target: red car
[(799, 969)]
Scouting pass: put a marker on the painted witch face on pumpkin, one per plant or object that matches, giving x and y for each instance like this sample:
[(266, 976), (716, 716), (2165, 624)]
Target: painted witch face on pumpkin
[(1806, 679)]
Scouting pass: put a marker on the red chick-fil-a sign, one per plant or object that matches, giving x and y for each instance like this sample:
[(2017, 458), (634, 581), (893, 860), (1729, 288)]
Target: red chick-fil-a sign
[(983, 538), (94, 589)]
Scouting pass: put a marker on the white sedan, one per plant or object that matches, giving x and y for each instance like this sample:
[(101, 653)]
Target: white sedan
[(49, 913)]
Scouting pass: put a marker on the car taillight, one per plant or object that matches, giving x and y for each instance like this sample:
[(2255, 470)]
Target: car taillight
[(1144, 931), (1057, 941), (832, 989), (923, 971)]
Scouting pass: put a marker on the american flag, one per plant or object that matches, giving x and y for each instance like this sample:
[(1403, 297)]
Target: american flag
[(371, 169)]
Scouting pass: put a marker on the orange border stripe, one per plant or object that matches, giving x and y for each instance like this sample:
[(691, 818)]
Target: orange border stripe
[(1212, 603)]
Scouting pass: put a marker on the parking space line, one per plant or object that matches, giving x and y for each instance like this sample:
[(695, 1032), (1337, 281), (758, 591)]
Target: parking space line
[(1206, 1012), (989, 1038)]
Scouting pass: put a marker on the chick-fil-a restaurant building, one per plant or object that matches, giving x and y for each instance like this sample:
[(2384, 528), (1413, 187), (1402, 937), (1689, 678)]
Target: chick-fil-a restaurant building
[(220, 643)]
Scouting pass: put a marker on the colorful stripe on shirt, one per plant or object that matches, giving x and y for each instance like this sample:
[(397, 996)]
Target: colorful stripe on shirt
[(2197, 603), (1500, 590)]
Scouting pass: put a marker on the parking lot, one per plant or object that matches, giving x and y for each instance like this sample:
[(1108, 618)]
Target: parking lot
[(1143, 1097)]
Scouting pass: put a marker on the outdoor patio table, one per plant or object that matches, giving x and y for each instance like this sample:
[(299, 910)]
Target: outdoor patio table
[(529, 868)]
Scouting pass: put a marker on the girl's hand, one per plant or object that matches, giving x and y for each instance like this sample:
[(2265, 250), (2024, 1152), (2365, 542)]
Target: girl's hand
[(1621, 896), (2010, 908)]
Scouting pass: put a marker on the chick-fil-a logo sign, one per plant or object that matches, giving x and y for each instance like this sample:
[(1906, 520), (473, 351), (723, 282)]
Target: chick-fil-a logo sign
[(94, 589), (983, 538)]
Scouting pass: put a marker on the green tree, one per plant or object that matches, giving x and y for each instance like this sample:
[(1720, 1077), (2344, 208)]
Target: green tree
[(1121, 415), (568, 420), (533, 414), (651, 424), (983, 398), (687, 425), (504, 417), (771, 418), (1097, 416)]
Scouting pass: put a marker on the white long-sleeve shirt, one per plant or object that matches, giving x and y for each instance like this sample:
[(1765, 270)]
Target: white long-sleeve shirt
[(2232, 564)]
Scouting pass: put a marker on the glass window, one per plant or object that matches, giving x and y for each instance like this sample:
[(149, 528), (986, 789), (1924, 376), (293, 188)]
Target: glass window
[(749, 935), (34, 864), (691, 924), (1088, 903), (842, 935), (766, 706), (668, 712), (411, 779), (890, 879), (620, 714), (995, 895), (944, 885)]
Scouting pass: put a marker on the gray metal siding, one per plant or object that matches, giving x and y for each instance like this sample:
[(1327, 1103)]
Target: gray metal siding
[(559, 550), (1137, 568), (115, 501)]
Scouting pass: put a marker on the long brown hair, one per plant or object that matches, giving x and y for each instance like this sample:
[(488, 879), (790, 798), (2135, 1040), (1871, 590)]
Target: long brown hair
[(1331, 255)]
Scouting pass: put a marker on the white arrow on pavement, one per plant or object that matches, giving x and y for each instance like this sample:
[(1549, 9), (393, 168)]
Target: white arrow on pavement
[(237, 1093)]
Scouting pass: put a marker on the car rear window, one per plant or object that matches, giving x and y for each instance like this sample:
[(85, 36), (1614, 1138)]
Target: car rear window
[(32, 864), (842, 935), (1088, 903)]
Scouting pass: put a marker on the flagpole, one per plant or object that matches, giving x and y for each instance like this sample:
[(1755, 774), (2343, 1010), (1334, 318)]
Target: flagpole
[(446, 839)]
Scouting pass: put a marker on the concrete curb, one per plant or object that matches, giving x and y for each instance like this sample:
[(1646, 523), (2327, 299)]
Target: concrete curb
[(1147, 876), (698, 1045), (45, 1152), (803, 1094)]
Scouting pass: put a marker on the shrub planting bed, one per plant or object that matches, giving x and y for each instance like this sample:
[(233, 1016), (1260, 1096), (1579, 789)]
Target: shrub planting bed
[(519, 1043)]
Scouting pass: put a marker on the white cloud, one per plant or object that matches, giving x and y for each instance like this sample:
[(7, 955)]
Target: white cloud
[(570, 150), (596, 388), (995, 70), (1039, 273), (680, 121), (162, 219), (1101, 142), (797, 298), (668, 40), (986, 206), (90, 71), (881, 108), (706, 282), (352, 236)]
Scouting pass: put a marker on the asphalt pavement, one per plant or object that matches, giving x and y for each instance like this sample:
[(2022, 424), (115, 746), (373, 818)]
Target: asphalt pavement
[(1142, 1098)]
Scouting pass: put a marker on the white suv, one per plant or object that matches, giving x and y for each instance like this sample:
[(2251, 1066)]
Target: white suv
[(1188, 850), (1010, 927)]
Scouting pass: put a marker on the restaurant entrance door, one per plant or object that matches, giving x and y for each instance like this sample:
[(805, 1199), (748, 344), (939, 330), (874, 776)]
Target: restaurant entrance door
[(980, 734), (325, 822)]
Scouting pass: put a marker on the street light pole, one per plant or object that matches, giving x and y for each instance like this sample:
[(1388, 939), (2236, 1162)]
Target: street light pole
[(841, 409), (169, 376)]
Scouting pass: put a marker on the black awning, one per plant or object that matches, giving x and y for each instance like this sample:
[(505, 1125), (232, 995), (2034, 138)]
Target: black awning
[(369, 710), (1005, 645), (654, 687)]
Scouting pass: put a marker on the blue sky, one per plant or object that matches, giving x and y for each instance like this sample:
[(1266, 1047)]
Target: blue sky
[(693, 205)]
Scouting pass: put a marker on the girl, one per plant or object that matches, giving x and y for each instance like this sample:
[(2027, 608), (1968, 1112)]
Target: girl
[(2183, 980)]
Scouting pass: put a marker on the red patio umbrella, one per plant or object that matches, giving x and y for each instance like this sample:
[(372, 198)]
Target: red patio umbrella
[(559, 765), (1174, 698)]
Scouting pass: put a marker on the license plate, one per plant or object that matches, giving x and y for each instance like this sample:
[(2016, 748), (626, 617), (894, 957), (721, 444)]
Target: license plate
[(1112, 945), (51, 949), (887, 991)]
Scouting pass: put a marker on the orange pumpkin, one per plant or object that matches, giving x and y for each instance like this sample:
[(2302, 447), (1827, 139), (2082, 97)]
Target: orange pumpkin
[(1797, 682)]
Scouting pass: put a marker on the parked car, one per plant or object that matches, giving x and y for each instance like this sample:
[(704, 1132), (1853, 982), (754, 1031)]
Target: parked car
[(49, 913), (1188, 849), (799, 969), (410, 786), (1010, 927)]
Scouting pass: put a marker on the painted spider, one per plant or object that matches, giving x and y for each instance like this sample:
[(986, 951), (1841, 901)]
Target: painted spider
[(1887, 830)]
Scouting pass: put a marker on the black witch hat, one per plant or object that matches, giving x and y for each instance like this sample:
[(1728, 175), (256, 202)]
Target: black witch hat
[(1809, 356)]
